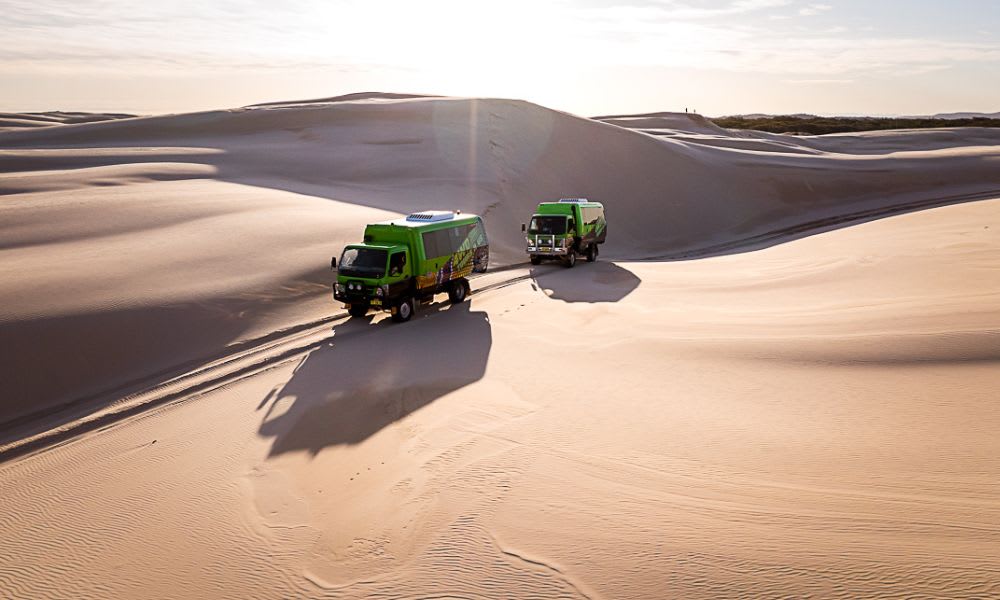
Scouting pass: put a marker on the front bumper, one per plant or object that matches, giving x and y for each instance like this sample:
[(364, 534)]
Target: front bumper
[(372, 303), (349, 298), (547, 251)]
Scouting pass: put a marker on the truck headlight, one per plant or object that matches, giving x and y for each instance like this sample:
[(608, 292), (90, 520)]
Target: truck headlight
[(340, 288)]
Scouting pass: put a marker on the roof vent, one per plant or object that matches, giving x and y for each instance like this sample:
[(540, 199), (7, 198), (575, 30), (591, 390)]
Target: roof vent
[(573, 200), (431, 216)]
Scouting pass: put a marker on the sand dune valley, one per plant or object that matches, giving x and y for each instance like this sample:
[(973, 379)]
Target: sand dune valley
[(781, 378)]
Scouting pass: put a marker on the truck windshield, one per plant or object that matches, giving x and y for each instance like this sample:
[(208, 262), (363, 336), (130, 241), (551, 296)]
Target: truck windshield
[(547, 225), (363, 262)]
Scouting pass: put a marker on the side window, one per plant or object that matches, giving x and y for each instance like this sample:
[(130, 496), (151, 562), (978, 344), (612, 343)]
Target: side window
[(428, 248), (478, 233), (434, 246), (591, 216), (396, 263), (456, 235), (460, 235), (448, 241)]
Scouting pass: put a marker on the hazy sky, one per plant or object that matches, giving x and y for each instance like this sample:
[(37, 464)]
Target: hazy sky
[(584, 56)]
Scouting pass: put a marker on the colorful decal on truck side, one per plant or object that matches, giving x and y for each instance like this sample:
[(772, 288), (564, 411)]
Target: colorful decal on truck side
[(466, 247)]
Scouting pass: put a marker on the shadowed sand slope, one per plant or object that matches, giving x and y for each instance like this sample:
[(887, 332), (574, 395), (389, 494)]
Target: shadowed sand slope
[(106, 286), (814, 419)]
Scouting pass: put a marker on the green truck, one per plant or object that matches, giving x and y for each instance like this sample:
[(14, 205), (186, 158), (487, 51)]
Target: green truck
[(406, 261), (564, 230)]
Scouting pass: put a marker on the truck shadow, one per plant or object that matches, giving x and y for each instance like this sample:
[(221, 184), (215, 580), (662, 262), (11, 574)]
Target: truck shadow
[(600, 281), (372, 375)]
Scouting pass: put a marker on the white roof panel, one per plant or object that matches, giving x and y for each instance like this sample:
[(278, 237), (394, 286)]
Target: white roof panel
[(431, 216)]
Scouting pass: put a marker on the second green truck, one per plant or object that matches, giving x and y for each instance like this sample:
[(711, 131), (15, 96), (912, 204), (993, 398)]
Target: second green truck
[(564, 230)]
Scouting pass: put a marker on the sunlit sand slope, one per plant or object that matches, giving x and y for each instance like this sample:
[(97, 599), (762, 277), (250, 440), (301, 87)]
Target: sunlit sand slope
[(817, 418)]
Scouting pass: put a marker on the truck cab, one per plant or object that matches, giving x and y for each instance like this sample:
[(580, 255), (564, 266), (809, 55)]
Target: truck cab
[(565, 229), (368, 273), (403, 262)]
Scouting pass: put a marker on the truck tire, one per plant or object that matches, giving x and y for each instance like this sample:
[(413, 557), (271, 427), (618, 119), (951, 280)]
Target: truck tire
[(458, 291), (358, 310), (404, 310), (591, 252), (536, 260), (570, 259), (481, 259)]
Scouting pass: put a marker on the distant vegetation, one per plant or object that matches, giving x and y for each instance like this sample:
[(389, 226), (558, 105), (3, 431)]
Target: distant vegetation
[(813, 125)]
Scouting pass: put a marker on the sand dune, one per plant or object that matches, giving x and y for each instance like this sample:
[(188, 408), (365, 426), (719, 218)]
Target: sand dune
[(48, 119), (296, 178), (667, 123), (813, 417), (345, 98)]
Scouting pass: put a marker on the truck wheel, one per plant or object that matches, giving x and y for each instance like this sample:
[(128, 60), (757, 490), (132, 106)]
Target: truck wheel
[(570, 259), (404, 310), (458, 290), (358, 310), (536, 260), (591, 252)]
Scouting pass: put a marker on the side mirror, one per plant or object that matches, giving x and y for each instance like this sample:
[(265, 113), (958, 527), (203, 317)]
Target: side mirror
[(523, 227), (333, 263)]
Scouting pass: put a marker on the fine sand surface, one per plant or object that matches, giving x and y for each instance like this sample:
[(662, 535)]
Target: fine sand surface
[(780, 379)]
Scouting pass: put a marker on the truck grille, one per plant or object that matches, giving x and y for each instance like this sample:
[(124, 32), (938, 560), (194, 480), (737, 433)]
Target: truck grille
[(355, 289)]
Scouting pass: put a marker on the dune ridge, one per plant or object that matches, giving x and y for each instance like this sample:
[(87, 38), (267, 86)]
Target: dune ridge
[(50, 118)]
